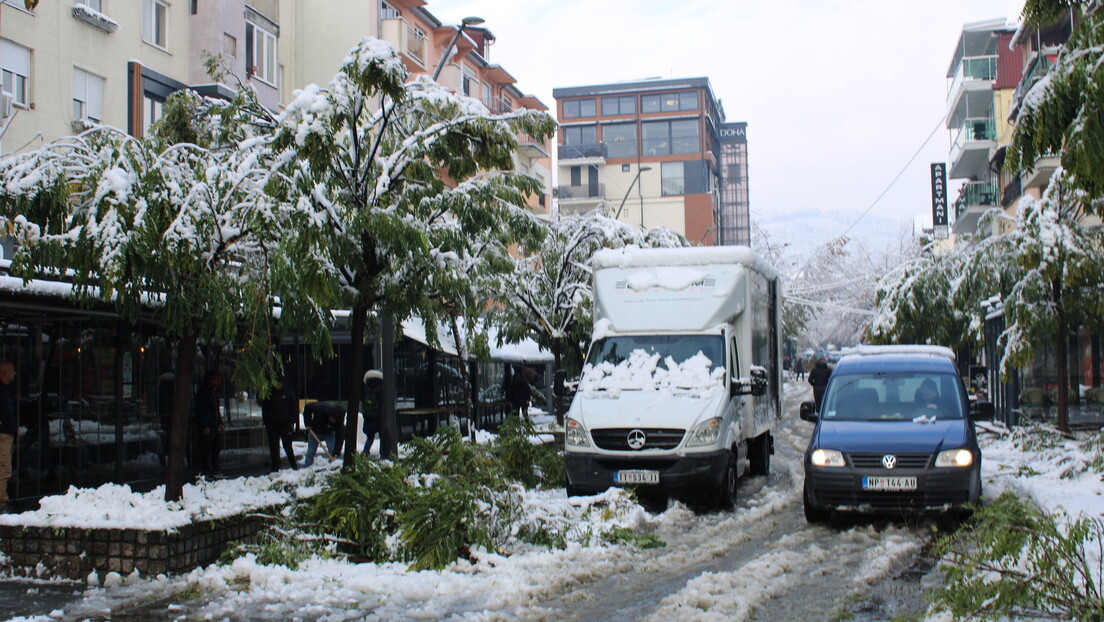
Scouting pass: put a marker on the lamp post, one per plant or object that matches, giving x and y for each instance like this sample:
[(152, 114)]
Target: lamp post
[(467, 21), (635, 179)]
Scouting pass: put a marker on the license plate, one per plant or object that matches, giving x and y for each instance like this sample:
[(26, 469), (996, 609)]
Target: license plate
[(636, 477), (889, 483)]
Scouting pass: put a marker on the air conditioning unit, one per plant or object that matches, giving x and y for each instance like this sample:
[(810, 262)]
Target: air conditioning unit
[(6, 105)]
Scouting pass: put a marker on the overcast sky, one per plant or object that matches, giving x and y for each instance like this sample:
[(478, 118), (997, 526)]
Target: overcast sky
[(838, 94)]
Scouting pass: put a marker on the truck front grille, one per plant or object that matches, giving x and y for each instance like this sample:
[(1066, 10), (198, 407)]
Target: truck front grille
[(617, 439)]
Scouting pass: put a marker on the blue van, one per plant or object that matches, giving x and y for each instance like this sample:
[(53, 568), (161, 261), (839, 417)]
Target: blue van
[(894, 435)]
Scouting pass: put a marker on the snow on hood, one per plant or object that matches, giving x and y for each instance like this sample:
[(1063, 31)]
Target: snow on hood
[(642, 372)]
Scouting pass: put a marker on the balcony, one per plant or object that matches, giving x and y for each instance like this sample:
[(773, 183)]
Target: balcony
[(1039, 175), (972, 142), (975, 198), (1037, 67), (582, 153), (971, 90), (531, 148), (584, 193), (408, 40)]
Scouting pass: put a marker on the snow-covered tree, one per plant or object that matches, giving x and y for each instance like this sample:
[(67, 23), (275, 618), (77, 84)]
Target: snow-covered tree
[(548, 295), (795, 314), (394, 183), (176, 229)]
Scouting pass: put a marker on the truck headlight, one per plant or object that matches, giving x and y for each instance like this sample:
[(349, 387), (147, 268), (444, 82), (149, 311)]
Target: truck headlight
[(576, 434), (954, 458), (705, 433), (827, 458)]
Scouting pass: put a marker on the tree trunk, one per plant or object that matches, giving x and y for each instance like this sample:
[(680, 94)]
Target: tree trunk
[(559, 394), (182, 406), (359, 321), (465, 377), (1063, 360)]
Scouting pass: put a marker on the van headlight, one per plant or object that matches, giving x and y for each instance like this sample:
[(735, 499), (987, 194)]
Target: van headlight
[(827, 458), (954, 458), (705, 433), (576, 434)]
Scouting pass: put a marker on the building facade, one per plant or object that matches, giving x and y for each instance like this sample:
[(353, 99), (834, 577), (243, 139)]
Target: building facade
[(654, 153)]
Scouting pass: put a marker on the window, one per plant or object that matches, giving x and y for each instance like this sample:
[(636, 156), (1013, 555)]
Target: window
[(670, 137), (153, 22), (88, 91), (618, 105), (260, 53), (669, 102), (16, 61), (151, 112), (581, 135), (579, 108), (672, 178), (468, 84), (95, 5), (488, 95), (387, 11), (620, 139)]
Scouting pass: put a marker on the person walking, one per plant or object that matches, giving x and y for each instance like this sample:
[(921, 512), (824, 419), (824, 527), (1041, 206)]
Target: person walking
[(280, 415), (372, 406), (799, 368), (9, 425), (818, 377), (209, 424), (322, 421), (518, 391)]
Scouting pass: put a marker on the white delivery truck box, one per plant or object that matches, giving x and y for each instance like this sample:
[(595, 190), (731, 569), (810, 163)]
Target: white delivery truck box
[(682, 381)]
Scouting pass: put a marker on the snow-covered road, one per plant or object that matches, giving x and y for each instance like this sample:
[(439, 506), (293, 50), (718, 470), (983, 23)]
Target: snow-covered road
[(759, 561)]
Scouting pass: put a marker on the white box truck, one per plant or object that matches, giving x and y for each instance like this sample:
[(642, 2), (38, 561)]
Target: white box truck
[(682, 381)]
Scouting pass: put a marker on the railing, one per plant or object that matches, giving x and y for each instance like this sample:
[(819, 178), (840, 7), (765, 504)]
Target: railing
[(415, 43), (1012, 191), (975, 193), (405, 38), (973, 130), (581, 150), (972, 68), (500, 106), (587, 191), (1039, 66)]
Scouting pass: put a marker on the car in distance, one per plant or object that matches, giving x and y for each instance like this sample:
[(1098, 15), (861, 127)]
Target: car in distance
[(894, 435)]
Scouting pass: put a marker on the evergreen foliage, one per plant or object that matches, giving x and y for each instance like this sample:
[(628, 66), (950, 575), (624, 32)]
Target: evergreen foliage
[(1012, 560)]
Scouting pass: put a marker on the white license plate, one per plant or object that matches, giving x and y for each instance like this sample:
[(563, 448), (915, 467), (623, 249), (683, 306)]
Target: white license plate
[(889, 483), (636, 477)]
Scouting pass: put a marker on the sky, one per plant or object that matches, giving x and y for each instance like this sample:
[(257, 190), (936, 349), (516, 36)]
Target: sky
[(838, 95)]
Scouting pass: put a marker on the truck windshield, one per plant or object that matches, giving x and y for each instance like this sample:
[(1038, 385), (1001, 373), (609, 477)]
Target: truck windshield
[(613, 350), (893, 396)]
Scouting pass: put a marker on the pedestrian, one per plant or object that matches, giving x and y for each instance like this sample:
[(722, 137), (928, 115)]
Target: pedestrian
[(372, 405), (208, 418), (818, 377), (799, 367), (8, 426), (518, 392), (322, 421), (280, 415)]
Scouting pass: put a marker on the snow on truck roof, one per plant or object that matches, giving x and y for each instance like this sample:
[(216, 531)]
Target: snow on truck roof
[(634, 257)]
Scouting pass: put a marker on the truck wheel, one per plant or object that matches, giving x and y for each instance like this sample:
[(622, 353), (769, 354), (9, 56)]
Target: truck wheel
[(759, 454), (654, 502), (575, 491), (814, 514), (726, 495)]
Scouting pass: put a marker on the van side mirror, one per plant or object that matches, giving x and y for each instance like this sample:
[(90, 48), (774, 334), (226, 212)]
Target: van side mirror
[(807, 411), (982, 410)]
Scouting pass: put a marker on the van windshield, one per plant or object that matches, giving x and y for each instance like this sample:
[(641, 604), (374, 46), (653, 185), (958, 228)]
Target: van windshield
[(614, 350), (893, 396)]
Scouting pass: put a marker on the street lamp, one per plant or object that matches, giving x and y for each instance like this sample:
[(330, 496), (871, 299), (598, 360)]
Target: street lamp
[(467, 21), (638, 172)]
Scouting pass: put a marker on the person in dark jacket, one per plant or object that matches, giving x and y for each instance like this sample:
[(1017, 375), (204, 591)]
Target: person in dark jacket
[(280, 414), (518, 393), (372, 406), (818, 377), (208, 419), (323, 420), (9, 425)]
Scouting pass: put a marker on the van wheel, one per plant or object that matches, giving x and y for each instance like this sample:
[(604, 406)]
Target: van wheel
[(726, 494), (759, 454), (654, 502), (813, 514)]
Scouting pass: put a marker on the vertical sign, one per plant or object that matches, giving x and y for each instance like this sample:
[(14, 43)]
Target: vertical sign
[(939, 199)]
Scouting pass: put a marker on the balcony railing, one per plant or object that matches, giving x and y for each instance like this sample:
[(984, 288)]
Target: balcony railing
[(405, 38), (581, 150), (974, 194), (972, 68), (500, 105), (1039, 66), (587, 191), (975, 129)]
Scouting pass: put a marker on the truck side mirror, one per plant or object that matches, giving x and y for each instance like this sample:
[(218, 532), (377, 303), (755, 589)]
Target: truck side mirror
[(559, 378), (807, 411), (758, 381)]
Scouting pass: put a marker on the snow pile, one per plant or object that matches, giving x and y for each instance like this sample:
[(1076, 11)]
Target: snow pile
[(116, 506), (641, 372)]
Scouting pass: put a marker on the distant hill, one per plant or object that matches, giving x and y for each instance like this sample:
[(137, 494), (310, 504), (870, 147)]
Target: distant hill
[(805, 229)]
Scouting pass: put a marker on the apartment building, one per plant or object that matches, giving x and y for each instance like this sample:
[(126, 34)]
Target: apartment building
[(982, 79), (654, 153)]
